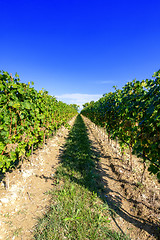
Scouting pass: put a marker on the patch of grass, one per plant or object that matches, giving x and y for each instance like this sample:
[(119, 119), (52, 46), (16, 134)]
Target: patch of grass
[(139, 185), (17, 232), (77, 211)]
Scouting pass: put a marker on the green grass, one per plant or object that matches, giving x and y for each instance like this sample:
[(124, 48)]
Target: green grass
[(77, 211)]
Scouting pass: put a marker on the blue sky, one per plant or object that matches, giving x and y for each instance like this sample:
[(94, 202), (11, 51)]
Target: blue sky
[(77, 50)]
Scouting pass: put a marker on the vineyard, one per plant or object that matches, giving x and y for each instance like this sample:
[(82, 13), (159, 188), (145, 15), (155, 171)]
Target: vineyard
[(27, 118), (131, 117), (66, 175)]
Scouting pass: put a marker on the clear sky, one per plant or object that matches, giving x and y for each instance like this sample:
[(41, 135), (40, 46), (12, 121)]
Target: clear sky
[(77, 50)]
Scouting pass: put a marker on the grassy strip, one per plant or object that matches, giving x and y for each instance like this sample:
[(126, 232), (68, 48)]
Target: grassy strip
[(76, 212)]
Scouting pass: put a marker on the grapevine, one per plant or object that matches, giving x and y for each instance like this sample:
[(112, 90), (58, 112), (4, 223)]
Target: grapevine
[(133, 116), (27, 118)]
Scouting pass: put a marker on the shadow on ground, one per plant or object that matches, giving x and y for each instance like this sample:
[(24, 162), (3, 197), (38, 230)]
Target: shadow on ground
[(79, 155)]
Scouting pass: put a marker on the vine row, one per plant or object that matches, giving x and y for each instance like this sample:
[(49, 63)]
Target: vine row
[(132, 115), (27, 118)]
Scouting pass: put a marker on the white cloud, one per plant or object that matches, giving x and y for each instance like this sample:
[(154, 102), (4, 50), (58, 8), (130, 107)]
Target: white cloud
[(78, 98)]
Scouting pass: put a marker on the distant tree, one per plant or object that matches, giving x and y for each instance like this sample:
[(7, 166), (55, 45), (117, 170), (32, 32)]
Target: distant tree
[(75, 106), (92, 102), (86, 104)]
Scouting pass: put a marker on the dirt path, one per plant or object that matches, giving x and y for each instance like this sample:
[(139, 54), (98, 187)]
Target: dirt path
[(137, 214), (135, 210), (25, 200)]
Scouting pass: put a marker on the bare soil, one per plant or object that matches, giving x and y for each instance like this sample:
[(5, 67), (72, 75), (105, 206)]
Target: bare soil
[(27, 198), (134, 207)]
